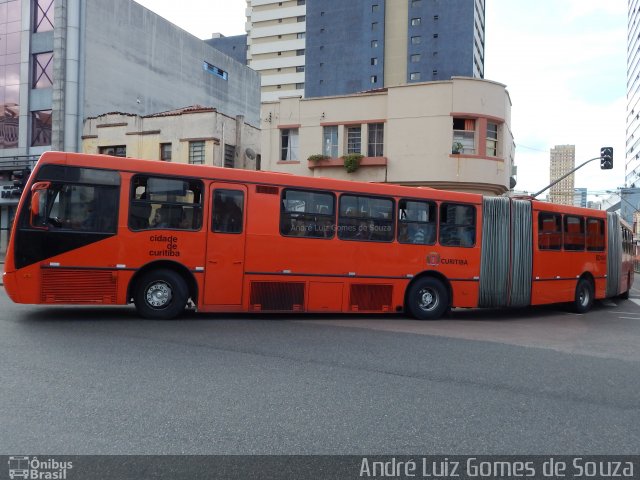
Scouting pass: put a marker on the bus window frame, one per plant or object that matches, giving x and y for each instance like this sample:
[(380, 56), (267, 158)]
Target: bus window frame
[(541, 215), (566, 233), (214, 211), (399, 221), (162, 203), (474, 223), (282, 212), (376, 197), (602, 235)]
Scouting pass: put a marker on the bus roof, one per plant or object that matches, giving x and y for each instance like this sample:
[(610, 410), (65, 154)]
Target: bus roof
[(159, 167)]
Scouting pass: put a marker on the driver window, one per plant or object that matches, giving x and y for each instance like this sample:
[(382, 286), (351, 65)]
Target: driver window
[(85, 208)]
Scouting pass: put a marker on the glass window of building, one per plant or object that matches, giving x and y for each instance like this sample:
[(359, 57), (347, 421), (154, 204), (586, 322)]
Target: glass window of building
[(41, 128), (330, 141), (42, 70), (115, 150), (289, 144), (376, 140), (165, 152), (492, 139), (196, 152), (43, 16), (354, 139), (10, 20), (464, 134)]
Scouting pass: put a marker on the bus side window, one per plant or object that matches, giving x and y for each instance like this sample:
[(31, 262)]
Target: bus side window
[(457, 225), (228, 211), (368, 219), (549, 231), (595, 235), (416, 222), (159, 202), (573, 233), (307, 214)]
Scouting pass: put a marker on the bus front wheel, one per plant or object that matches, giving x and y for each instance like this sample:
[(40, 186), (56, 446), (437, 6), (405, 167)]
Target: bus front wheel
[(161, 294), (427, 299), (584, 296)]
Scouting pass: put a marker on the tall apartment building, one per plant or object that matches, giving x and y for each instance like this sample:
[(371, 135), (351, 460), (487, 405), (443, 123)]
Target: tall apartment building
[(335, 47), (563, 160), (632, 153)]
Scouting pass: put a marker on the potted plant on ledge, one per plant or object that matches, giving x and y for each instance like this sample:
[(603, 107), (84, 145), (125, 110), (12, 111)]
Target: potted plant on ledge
[(457, 148), (352, 162)]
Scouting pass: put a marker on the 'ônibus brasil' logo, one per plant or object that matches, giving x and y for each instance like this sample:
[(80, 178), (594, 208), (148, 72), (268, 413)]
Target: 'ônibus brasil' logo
[(33, 468)]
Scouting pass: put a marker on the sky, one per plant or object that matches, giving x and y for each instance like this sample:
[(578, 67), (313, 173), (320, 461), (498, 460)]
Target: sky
[(562, 61)]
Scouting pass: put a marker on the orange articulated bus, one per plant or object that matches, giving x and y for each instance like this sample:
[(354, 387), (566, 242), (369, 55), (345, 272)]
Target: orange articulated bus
[(100, 230)]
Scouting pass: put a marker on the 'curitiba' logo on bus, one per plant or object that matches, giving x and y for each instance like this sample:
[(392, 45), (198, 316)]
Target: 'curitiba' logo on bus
[(36, 469), (434, 259)]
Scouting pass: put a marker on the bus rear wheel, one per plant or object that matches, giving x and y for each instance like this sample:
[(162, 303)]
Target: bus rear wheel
[(427, 299), (583, 300), (161, 294)]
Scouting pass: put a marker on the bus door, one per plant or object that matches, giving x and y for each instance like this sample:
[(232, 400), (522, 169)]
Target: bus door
[(225, 245)]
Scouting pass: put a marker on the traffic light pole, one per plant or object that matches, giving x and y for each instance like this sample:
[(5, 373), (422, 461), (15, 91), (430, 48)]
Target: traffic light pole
[(565, 176)]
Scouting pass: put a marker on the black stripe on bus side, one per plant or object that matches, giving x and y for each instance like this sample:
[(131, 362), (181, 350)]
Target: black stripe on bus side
[(113, 269), (74, 267), (563, 278), (345, 275)]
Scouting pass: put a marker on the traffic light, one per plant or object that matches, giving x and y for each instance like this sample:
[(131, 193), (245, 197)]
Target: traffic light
[(606, 158)]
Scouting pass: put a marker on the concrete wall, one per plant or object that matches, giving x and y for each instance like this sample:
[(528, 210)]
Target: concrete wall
[(143, 135), (136, 61), (418, 134), (234, 46)]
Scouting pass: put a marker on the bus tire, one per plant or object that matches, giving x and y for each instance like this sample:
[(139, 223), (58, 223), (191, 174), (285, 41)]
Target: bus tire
[(427, 299), (161, 294), (584, 296)]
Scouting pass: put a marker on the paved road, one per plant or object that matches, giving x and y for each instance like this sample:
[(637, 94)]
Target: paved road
[(89, 381)]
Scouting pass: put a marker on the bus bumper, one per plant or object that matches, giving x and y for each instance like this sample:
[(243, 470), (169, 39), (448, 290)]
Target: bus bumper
[(10, 285)]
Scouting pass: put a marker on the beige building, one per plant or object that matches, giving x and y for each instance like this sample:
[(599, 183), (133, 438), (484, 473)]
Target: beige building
[(193, 134), (563, 160), (453, 135)]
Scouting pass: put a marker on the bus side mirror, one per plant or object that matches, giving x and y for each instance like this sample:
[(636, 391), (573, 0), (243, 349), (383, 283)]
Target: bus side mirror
[(37, 197), (35, 204)]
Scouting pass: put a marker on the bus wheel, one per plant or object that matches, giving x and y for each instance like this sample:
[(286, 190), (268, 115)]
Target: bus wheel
[(161, 294), (584, 296), (427, 299)]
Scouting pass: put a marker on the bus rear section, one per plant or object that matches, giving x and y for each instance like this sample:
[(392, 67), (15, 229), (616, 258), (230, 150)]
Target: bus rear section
[(535, 253)]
